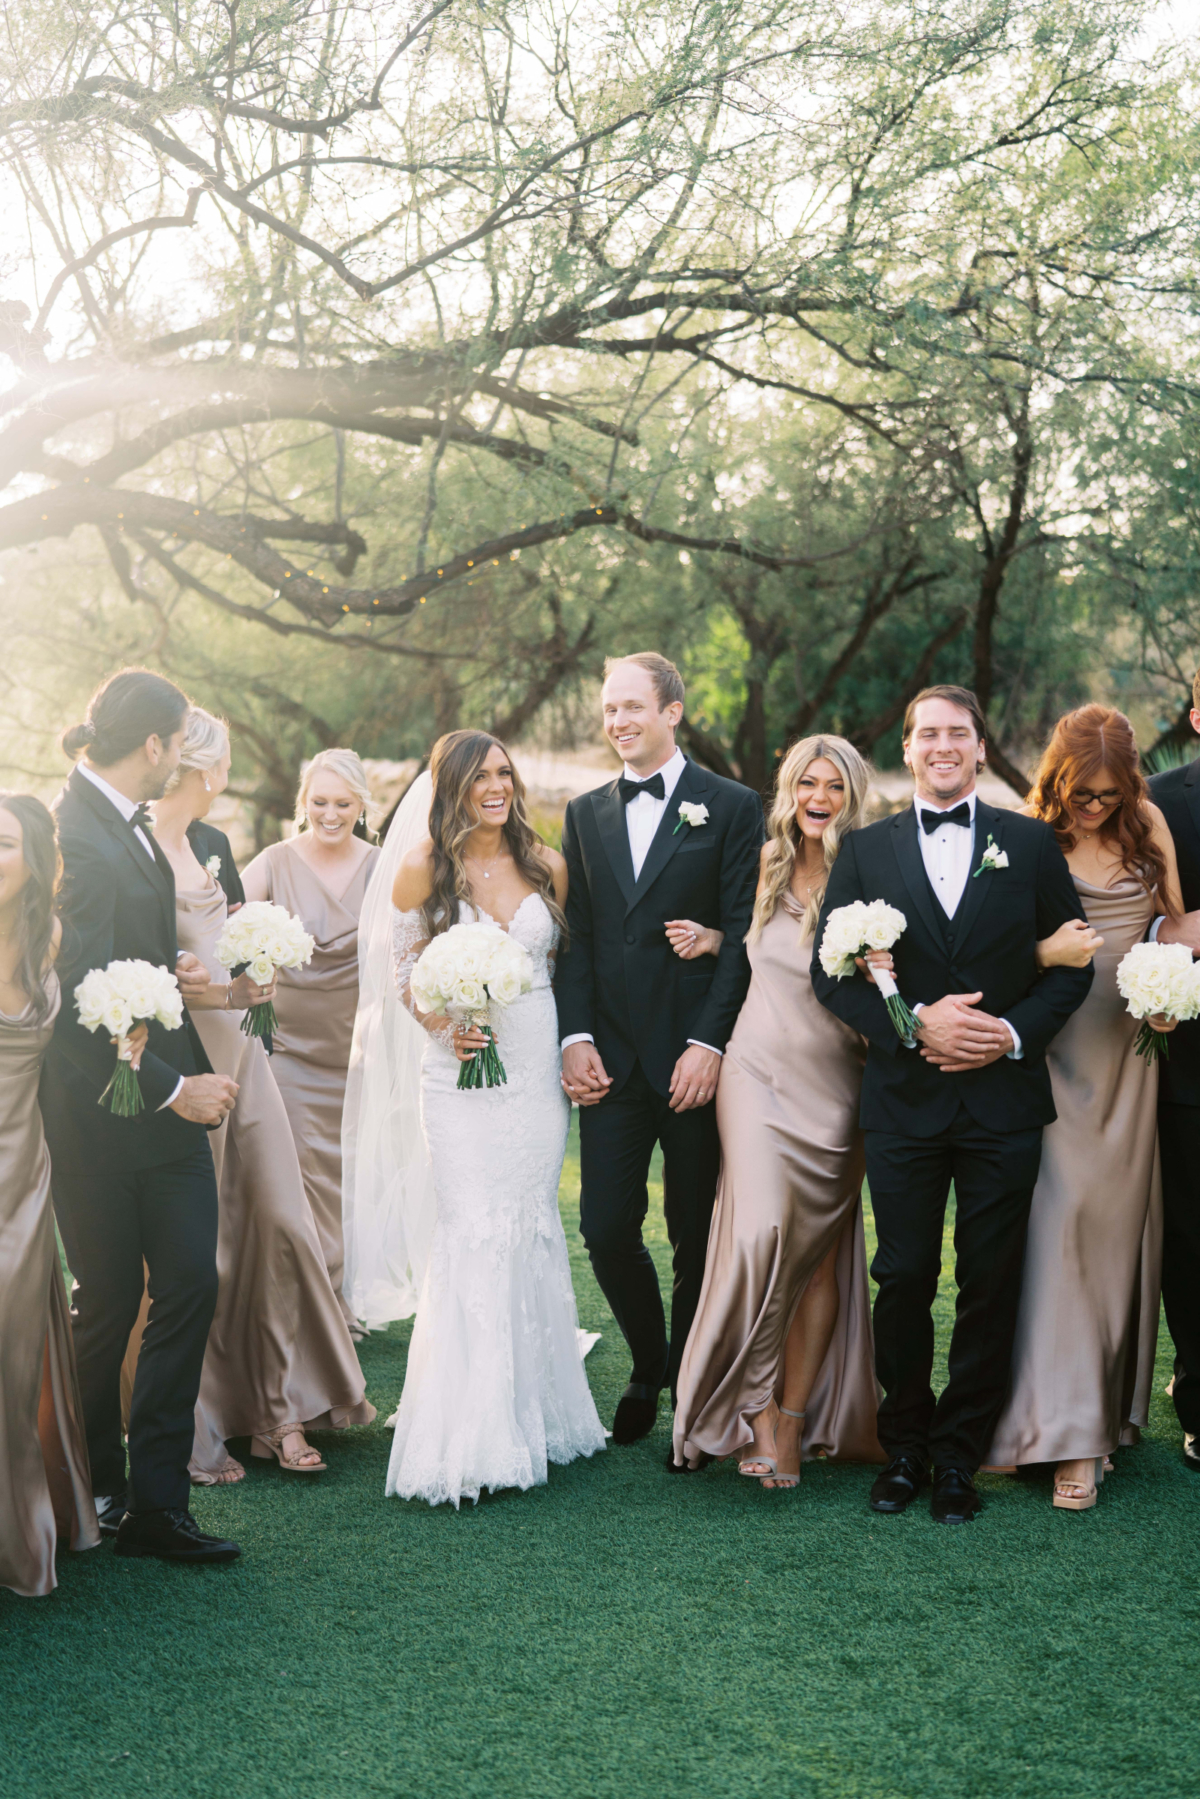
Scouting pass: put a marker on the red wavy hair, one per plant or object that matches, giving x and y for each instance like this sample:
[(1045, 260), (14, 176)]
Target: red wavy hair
[(1082, 743)]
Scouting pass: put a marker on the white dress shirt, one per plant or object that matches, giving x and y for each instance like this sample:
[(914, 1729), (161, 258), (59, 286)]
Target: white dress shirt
[(643, 815), (948, 854), (126, 807)]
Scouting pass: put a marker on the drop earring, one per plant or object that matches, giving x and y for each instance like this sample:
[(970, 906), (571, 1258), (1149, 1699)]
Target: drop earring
[(207, 788)]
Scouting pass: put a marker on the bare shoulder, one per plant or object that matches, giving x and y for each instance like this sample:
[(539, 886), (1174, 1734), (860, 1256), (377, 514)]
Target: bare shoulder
[(414, 878), (764, 854)]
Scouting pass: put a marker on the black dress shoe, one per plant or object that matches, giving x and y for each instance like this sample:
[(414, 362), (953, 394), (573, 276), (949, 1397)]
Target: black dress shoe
[(1191, 1453), (954, 1499), (173, 1537), (895, 1489), (109, 1513), (636, 1411)]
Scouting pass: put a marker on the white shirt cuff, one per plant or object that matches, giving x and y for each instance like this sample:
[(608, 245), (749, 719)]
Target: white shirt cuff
[(579, 1037), (174, 1096), (695, 1041), (1016, 1053), (1152, 934)]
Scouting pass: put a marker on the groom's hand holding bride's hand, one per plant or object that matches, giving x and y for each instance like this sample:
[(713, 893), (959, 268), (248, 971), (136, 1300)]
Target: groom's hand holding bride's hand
[(954, 1036), (583, 1076)]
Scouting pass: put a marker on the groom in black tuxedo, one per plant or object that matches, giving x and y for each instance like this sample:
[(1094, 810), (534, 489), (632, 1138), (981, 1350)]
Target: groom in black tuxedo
[(966, 1102), (643, 1031), (129, 1191), (1177, 791)]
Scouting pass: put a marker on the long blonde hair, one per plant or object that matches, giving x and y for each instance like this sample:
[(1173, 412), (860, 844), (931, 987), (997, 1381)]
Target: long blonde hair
[(454, 763), (785, 840)]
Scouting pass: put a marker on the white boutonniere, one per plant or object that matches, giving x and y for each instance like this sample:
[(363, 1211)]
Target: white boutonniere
[(690, 814), (993, 857), (213, 866)]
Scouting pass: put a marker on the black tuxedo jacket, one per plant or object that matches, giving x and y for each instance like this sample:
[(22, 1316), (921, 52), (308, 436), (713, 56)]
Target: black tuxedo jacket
[(619, 979), (989, 946), (1177, 792), (115, 904)]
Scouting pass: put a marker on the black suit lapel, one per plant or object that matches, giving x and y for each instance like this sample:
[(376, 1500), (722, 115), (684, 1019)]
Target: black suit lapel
[(1191, 794), (912, 870), (671, 832), (610, 822), (989, 822), (157, 870)]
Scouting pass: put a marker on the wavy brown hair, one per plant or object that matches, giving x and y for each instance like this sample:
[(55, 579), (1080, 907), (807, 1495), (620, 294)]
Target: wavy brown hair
[(784, 833), (1082, 743), (35, 922), (456, 760)]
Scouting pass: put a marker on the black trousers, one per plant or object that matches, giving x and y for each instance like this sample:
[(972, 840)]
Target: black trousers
[(1179, 1144), (617, 1139), (994, 1176), (110, 1224)]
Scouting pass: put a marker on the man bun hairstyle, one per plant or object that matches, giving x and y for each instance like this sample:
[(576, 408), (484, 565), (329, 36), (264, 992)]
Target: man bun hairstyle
[(130, 706), (668, 682), (962, 697)]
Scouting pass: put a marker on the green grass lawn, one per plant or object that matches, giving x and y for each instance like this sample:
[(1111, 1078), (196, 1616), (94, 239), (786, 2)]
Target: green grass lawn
[(622, 1633)]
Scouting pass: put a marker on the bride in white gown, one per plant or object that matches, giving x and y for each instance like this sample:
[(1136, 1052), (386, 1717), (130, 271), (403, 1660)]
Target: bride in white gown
[(495, 1387)]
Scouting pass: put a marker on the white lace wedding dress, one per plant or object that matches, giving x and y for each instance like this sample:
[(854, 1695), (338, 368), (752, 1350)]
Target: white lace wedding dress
[(495, 1387)]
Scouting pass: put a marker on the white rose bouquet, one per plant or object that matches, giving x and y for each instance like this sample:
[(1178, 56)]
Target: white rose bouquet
[(850, 932), (258, 939), (458, 973), (1158, 979), (114, 999)]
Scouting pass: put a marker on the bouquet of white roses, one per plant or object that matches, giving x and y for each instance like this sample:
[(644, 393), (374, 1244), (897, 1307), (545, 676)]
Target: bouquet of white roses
[(114, 999), (1158, 978), (258, 939), (458, 973), (851, 931)]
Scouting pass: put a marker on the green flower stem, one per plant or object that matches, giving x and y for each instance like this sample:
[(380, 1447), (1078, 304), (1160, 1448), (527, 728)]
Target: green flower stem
[(1152, 1044), (260, 1021), (123, 1095), (905, 1021), (485, 1069)]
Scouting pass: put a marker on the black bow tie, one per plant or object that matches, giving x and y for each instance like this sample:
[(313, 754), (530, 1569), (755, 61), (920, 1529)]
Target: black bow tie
[(629, 790), (957, 815), (142, 819)]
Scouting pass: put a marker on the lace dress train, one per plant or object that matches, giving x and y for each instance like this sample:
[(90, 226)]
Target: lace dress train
[(495, 1388)]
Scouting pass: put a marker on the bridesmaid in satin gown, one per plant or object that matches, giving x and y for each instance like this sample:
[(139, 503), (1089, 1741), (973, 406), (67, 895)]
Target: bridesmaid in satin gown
[(279, 1359), (1088, 1324), (45, 1482), (779, 1359), (321, 876)]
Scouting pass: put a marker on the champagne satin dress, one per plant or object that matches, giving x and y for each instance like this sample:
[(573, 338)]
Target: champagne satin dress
[(315, 1006), (45, 1483), (790, 1188), (279, 1351), (1083, 1361)]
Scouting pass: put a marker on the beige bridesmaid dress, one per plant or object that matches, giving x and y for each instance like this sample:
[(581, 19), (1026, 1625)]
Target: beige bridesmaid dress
[(315, 1006), (1088, 1323), (790, 1188), (45, 1482), (278, 1351)]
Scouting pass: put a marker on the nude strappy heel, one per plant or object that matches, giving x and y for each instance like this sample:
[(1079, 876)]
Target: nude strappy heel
[(1079, 1502), (787, 1483), (264, 1447)]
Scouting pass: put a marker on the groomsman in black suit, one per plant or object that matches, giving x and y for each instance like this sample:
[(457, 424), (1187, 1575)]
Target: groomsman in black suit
[(1177, 791), (129, 1191), (966, 1101), (643, 1031)]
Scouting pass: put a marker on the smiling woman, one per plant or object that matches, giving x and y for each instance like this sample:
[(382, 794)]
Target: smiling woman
[(321, 876)]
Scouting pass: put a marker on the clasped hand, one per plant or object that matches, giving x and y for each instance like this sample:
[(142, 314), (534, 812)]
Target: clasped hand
[(955, 1036)]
